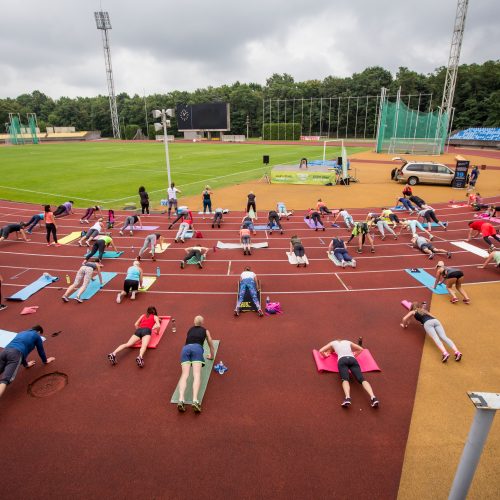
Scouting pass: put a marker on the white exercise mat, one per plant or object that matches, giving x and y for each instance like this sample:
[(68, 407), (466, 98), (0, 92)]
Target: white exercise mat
[(292, 258), (471, 248)]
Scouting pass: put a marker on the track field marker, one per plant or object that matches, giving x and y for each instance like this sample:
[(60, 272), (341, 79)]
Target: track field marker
[(229, 268)]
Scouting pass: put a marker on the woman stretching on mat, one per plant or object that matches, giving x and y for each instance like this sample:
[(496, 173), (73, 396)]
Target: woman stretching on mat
[(217, 217), (407, 204), (425, 246), (486, 229), (248, 224), (381, 224), (13, 228), (91, 211), (199, 253), (495, 256), (297, 248), (337, 246), (251, 203), (412, 225), (144, 327), (132, 283), (84, 275), (451, 276), (130, 221), (429, 216), (34, 221), (315, 216), (274, 221), (207, 200), (387, 213), (433, 328), (144, 198), (192, 356), (246, 240), (100, 245), (362, 231), (184, 227), (348, 220), (50, 226), (92, 233), (64, 209), (151, 241), (248, 281), (346, 352), (322, 208), (417, 201)]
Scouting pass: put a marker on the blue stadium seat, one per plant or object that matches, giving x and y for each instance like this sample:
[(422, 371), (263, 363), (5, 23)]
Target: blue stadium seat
[(478, 134)]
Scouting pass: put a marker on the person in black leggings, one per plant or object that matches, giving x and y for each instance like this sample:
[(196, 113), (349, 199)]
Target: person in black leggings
[(451, 276), (429, 215), (315, 216), (144, 200), (217, 217), (207, 200), (251, 202), (2, 306), (274, 219), (418, 201)]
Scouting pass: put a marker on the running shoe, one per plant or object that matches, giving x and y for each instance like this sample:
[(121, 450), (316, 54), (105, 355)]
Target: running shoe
[(118, 298), (120, 233), (346, 403), (182, 264), (466, 301), (260, 313), (200, 265), (445, 357), (343, 263), (383, 237), (218, 225), (236, 312), (29, 232), (492, 247), (431, 237), (372, 250), (324, 229), (270, 232), (112, 358), (197, 406), (374, 402), (140, 362), (79, 300), (57, 244), (213, 225), (181, 407), (2, 307), (458, 356), (431, 256), (454, 300), (395, 237), (131, 233), (175, 240), (65, 299), (281, 232), (448, 254), (359, 250), (79, 243)]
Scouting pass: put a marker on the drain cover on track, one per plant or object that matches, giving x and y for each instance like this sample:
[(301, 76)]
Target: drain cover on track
[(48, 384)]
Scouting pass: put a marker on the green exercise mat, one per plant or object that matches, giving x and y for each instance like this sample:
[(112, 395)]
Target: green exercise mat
[(206, 371)]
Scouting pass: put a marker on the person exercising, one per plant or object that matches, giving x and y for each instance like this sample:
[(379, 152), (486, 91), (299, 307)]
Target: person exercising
[(248, 281), (274, 220), (217, 217), (362, 231), (64, 209), (84, 275), (425, 246), (130, 221), (198, 252), (100, 245), (151, 241), (17, 228), (487, 232)]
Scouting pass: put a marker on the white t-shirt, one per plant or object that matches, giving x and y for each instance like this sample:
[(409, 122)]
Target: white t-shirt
[(172, 193), (344, 214), (248, 274), (342, 348), (97, 226)]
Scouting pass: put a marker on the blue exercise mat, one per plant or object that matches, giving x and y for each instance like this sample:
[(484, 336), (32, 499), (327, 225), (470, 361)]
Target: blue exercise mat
[(106, 255), (427, 280), (264, 228), (95, 286), (399, 207), (37, 285), (433, 224)]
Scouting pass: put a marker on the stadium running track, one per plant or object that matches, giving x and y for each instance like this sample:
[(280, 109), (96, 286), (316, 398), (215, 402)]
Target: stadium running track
[(271, 426)]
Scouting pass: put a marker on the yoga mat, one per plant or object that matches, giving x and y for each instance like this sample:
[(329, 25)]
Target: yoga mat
[(470, 248), (433, 224), (337, 262), (206, 371), (94, 286), (266, 227), (231, 246), (461, 205), (143, 228), (147, 281), (399, 207), (310, 224), (330, 363), (292, 258), (491, 219), (30, 310), (70, 237), (406, 304), (157, 334), (159, 249), (34, 287), (428, 280), (194, 260), (109, 254), (6, 337)]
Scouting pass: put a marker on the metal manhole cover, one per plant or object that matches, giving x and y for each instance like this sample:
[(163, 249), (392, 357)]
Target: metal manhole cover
[(48, 384)]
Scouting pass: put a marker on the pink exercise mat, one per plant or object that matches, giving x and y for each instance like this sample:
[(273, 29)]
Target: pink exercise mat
[(330, 364), (157, 334), (310, 224)]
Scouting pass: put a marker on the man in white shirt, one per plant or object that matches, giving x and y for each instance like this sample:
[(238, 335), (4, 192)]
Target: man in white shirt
[(347, 361), (172, 198), (248, 281)]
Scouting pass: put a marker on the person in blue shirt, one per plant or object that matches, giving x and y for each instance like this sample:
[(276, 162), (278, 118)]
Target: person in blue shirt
[(132, 283), (34, 221), (16, 353)]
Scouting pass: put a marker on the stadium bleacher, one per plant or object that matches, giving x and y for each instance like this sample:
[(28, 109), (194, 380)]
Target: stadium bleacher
[(478, 134)]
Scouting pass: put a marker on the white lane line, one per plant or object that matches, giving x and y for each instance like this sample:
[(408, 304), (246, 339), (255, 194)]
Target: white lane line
[(343, 284), (18, 274), (229, 268)]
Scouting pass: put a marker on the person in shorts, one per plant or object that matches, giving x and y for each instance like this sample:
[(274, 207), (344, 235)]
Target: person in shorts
[(451, 276), (425, 246), (17, 228), (172, 198), (84, 275), (346, 352), (246, 240), (362, 231), (348, 220), (132, 283)]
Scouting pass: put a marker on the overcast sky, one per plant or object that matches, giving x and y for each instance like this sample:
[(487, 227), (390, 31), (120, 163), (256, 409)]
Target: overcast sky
[(163, 45)]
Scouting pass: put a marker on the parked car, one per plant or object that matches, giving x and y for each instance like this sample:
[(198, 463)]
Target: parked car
[(423, 172)]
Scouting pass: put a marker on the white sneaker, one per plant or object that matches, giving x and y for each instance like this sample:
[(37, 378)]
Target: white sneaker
[(119, 298)]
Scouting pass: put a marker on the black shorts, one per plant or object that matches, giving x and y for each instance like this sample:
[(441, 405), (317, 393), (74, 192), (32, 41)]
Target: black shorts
[(298, 250), (347, 363), (427, 245), (142, 332), (5, 232), (455, 275), (130, 286), (10, 361)]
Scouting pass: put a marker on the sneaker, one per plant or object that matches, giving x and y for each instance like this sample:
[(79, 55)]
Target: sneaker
[(79, 300), (281, 232), (383, 237), (120, 233), (374, 402), (183, 264), (445, 357), (112, 358), (28, 232), (57, 244), (200, 265), (359, 250), (213, 225), (395, 237), (260, 313), (218, 225), (181, 407), (2, 307), (270, 232), (118, 298), (431, 237), (131, 233), (458, 356), (346, 403), (372, 250), (65, 299), (236, 312), (448, 254), (431, 256), (175, 240), (492, 247), (343, 263), (466, 301), (140, 362), (324, 229), (197, 406)]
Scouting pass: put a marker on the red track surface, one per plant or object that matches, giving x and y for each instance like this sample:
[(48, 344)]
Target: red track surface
[(272, 426)]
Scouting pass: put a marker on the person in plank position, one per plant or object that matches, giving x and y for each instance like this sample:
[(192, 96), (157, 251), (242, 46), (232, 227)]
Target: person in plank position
[(130, 221), (274, 220), (347, 361), (429, 216), (13, 228), (93, 232), (315, 216), (84, 276), (248, 281), (151, 241), (192, 355), (348, 220), (451, 276), (64, 209), (412, 225), (91, 211), (144, 327), (337, 246), (487, 232), (34, 221), (100, 245), (198, 252), (297, 248), (217, 217), (493, 256), (16, 353), (425, 246)]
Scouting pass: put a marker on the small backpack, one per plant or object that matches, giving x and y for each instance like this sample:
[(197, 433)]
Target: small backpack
[(273, 308)]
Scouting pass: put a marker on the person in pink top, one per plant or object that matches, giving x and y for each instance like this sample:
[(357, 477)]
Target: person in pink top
[(50, 226), (245, 239)]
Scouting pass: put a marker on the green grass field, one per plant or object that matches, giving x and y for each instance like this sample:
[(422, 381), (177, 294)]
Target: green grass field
[(110, 173)]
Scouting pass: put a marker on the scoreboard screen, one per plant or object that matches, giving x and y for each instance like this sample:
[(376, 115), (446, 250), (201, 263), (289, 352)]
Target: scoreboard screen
[(209, 116)]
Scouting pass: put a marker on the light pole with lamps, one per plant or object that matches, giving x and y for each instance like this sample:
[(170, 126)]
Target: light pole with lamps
[(158, 126)]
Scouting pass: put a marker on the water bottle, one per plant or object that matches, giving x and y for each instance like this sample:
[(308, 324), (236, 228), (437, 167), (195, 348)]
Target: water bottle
[(268, 300), (360, 341), (68, 281), (158, 275), (220, 368), (174, 327)]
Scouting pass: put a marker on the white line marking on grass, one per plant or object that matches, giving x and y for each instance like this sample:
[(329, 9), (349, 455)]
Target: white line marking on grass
[(343, 284), (52, 194)]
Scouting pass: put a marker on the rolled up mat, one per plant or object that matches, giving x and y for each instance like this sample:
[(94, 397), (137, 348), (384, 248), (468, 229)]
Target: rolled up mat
[(34, 287), (94, 286), (330, 363), (157, 334), (310, 224), (206, 371), (471, 248), (70, 237), (294, 260), (147, 281), (6, 337), (406, 304), (427, 280)]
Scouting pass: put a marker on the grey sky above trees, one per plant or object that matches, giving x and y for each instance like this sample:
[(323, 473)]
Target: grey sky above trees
[(161, 45)]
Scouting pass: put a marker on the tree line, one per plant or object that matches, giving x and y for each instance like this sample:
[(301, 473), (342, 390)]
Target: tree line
[(477, 99)]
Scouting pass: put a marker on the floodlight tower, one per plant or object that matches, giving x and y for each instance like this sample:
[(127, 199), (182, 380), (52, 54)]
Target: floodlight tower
[(104, 24)]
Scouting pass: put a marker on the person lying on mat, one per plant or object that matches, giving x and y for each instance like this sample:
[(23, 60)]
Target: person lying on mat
[(198, 252), (406, 203), (274, 220), (248, 281), (144, 327), (91, 211), (186, 215), (429, 216), (315, 216), (494, 255), (34, 221), (100, 244), (16, 353), (337, 246), (151, 241), (322, 208), (348, 220), (247, 222), (425, 246), (93, 232), (346, 352), (64, 209), (433, 328), (486, 229), (412, 225), (297, 247), (451, 276), (132, 283), (417, 201), (130, 221), (382, 225), (192, 355), (246, 240), (362, 231), (17, 228), (217, 217), (84, 275)]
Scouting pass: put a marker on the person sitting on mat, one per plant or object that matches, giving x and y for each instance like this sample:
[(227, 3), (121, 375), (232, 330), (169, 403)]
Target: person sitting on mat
[(91, 211), (185, 214), (274, 220), (322, 208), (93, 232), (248, 281), (362, 231), (130, 221), (206, 197), (297, 248), (412, 225), (451, 276), (34, 221), (348, 220), (247, 223), (16, 353), (346, 352), (144, 200), (192, 355), (132, 283), (425, 246), (251, 203), (417, 201), (172, 198), (387, 213), (433, 328), (144, 327), (381, 224), (217, 217), (198, 252), (17, 228), (337, 246), (246, 240), (494, 255), (151, 241), (315, 216), (100, 245), (64, 209), (429, 215), (406, 203), (486, 229), (84, 275)]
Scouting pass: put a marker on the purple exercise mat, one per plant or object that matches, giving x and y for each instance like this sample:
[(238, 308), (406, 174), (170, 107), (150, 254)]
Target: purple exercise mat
[(310, 223), (145, 228)]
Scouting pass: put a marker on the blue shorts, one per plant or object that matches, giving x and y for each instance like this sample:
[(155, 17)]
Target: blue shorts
[(192, 353)]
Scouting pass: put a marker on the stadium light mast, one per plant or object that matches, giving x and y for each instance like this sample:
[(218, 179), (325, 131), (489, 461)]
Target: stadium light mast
[(163, 125), (104, 24)]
